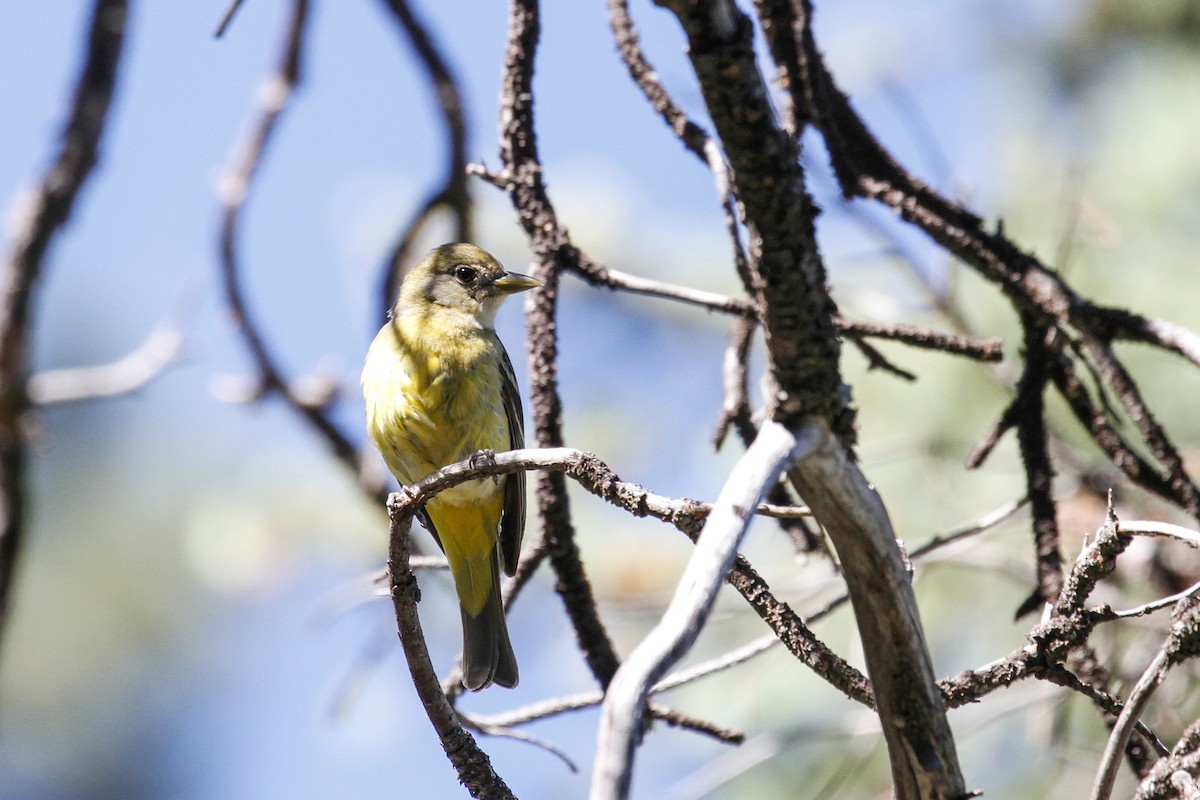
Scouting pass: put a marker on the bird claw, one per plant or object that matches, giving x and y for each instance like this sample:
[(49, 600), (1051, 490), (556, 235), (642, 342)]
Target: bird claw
[(481, 457)]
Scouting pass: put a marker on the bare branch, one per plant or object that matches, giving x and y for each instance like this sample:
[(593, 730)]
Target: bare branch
[(227, 18), (598, 274), (1171, 777), (1176, 648), (988, 350), (625, 701), (562, 705), (1118, 324), (907, 697), (42, 215), (865, 169), (239, 176), (985, 522), (554, 253), (162, 348), (1033, 441), (472, 764), (735, 391), (694, 137), (1144, 527), (454, 192)]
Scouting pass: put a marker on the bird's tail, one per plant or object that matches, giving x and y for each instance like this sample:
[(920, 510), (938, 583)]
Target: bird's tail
[(487, 652)]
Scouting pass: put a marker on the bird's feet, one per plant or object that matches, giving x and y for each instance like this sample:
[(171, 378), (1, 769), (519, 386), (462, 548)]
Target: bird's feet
[(482, 457)]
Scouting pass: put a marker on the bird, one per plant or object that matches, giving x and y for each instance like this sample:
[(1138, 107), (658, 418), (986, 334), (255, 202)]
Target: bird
[(439, 388)]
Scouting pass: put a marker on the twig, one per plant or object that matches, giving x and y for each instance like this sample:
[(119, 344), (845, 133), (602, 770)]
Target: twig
[(1033, 441), (1179, 645), (988, 350), (1159, 604), (625, 700), (988, 520), (131, 372), (1059, 675), (1119, 324), (239, 175), (41, 216), (1167, 530), (1171, 776), (722, 662), (454, 192), (597, 274), (227, 18), (693, 137), (502, 731), (877, 360), (581, 700), (735, 392)]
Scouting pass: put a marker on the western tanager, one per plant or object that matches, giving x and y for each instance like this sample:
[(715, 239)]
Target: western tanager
[(439, 389)]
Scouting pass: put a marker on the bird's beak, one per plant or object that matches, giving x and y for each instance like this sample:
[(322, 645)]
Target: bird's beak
[(511, 283)]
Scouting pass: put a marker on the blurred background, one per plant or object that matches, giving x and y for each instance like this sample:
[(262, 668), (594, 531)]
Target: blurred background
[(193, 615)]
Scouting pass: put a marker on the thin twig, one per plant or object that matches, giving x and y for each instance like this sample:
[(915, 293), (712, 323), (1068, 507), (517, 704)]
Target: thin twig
[(238, 178), (453, 194), (1173, 651), (984, 523), (162, 348), (227, 18), (692, 135)]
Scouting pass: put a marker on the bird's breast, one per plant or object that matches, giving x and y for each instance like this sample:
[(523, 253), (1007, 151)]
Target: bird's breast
[(434, 400)]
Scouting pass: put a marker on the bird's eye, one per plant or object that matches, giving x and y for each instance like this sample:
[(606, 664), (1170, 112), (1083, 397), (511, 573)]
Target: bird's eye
[(465, 275)]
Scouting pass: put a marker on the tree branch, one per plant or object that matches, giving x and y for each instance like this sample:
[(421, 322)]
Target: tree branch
[(41, 216), (472, 764), (554, 253), (454, 192), (239, 175), (162, 348), (625, 701)]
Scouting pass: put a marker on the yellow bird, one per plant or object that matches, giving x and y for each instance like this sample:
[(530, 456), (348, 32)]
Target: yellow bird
[(440, 388)]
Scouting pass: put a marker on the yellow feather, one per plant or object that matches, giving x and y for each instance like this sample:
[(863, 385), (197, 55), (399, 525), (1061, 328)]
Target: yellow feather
[(435, 389)]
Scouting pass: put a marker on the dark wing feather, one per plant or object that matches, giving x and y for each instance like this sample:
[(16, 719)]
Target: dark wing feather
[(427, 521), (512, 523)]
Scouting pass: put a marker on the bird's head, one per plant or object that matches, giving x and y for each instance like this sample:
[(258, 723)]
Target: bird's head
[(459, 278)]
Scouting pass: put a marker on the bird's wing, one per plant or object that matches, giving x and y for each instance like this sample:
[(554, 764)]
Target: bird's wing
[(512, 523)]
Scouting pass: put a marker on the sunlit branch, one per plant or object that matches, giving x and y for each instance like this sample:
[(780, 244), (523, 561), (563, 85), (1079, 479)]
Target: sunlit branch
[(1174, 650), (625, 701), (472, 764), (162, 348)]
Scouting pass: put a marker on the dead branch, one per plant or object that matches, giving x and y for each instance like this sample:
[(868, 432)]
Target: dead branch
[(625, 700), (472, 764), (553, 252), (238, 179), (453, 194), (41, 217), (162, 348)]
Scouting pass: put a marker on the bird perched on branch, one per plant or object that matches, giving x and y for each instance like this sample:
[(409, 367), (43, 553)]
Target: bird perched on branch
[(440, 389)]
